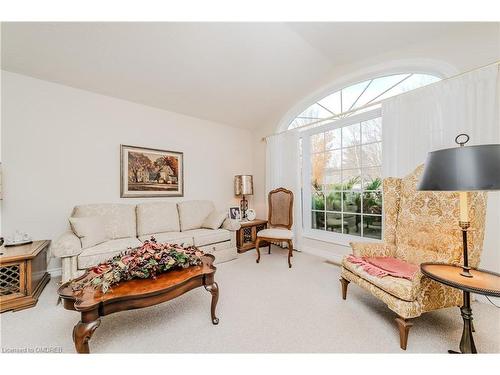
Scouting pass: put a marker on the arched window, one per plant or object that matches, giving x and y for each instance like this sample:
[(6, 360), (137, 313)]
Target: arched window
[(362, 94), (342, 158)]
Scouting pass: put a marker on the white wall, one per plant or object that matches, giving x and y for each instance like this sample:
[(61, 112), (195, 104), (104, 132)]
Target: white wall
[(481, 46), (60, 148)]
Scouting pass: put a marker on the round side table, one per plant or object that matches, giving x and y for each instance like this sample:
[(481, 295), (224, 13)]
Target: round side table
[(481, 282)]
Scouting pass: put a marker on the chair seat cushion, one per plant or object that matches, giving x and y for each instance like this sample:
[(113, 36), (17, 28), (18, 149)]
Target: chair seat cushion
[(279, 234), (404, 289), (97, 254)]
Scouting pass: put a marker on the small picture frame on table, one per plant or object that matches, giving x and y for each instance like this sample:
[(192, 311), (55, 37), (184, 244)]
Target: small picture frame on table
[(234, 213)]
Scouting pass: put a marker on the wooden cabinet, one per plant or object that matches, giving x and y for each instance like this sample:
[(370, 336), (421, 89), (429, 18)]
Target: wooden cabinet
[(247, 234), (23, 275)]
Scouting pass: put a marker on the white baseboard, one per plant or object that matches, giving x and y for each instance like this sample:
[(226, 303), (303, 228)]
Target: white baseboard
[(328, 255)]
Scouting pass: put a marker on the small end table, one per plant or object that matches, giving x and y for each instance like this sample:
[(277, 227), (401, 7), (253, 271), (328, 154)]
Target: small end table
[(23, 275), (247, 234), (482, 282)]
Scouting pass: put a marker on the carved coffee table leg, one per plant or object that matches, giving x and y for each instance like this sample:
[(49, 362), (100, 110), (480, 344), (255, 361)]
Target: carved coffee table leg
[(83, 331), (214, 291)]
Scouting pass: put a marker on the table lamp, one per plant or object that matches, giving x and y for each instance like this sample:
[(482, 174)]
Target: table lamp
[(243, 185), (463, 169)]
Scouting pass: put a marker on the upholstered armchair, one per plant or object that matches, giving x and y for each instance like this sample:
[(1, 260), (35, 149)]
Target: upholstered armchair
[(418, 227)]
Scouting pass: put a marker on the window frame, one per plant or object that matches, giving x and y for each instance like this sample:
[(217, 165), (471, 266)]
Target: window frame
[(318, 234), (384, 70)]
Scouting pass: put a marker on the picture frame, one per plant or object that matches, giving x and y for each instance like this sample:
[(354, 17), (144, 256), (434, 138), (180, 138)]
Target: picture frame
[(235, 213), (149, 172)]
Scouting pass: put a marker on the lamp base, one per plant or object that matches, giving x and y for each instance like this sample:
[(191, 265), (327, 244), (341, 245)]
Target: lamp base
[(243, 207), (466, 272), (465, 225)]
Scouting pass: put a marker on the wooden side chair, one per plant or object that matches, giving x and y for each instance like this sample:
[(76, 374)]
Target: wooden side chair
[(279, 222)]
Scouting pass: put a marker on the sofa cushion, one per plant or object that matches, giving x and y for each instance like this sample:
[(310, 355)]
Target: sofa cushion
[(169, 237), (404, 289), (214, 220), (231, 224), (119, 218), (203, 237), (193, 213), (157, 217), (90, 230), (97, 254)]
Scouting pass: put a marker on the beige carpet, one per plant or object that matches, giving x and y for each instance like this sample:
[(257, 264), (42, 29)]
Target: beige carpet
[(263, 307)]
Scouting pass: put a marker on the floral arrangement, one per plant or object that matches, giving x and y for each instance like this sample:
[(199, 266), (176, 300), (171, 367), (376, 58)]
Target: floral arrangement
[(146, 261)]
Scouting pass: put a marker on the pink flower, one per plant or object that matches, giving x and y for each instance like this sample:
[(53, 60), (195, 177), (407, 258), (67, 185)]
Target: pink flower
[(127, 258), (102, 268)]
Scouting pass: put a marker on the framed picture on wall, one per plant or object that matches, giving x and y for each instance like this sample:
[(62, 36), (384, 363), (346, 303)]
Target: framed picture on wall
[(148, 172)]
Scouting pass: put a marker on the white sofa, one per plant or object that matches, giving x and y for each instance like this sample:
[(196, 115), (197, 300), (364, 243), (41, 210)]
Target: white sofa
[(127, 226)]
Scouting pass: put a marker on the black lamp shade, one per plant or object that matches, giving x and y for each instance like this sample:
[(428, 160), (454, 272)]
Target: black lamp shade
[(465, 168)]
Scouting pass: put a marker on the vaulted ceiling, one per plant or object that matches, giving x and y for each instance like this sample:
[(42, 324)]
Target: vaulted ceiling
[(241, 74)]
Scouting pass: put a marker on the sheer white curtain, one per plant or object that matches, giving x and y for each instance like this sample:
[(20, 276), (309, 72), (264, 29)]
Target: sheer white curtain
[(283, 170), (431, 117)]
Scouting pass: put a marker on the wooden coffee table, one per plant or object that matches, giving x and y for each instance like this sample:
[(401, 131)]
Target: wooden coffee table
[(135, 294)]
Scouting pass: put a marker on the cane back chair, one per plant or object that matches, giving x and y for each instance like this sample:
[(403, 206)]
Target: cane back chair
[(279, 222)]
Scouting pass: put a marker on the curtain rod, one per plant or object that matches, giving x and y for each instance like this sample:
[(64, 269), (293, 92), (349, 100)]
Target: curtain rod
[(381, 101)]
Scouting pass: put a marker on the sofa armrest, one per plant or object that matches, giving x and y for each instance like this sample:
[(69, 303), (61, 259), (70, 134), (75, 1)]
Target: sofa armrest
[(67, 245), (231, 224), (370, 249)]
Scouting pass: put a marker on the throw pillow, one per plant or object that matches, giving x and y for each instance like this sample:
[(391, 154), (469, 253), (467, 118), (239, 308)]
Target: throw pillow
[(214, 220), (90, 230)]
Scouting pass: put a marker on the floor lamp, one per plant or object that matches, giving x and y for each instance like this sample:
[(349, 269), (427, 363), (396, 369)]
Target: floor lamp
[(463, 169)]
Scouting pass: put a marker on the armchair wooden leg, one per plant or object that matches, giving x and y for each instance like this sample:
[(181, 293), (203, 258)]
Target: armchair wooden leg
[(290, 249), (344, 283), (269, 250), (404, 326), (257, 248)]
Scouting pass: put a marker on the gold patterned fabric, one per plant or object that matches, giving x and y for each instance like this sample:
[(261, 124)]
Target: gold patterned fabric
[(398, 287), (419, 226)]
